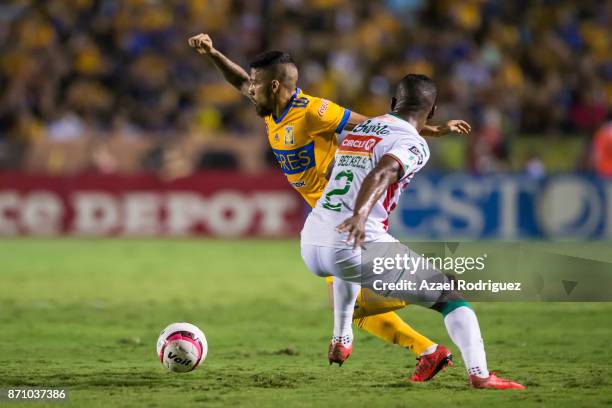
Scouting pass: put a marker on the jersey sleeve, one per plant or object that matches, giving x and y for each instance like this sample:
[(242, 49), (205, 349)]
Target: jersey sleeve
[(411, 154), (326, 117)]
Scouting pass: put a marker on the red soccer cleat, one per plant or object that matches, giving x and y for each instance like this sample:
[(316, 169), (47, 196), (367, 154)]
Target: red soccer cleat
[(338, 353), (494, 382), (428, 366)]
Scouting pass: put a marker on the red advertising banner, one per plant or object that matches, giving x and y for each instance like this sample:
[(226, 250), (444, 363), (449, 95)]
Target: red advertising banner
[(223, 204)]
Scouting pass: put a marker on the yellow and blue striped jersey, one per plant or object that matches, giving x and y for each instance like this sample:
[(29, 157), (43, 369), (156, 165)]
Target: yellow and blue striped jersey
[(303, 140)]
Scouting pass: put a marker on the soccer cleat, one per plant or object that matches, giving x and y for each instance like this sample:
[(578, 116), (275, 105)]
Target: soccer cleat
[(493, 381), (429, 365), (338, 353)]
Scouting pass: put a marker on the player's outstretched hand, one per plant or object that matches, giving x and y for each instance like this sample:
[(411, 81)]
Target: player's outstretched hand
[(456, 126), (202, 43), (355, 227)]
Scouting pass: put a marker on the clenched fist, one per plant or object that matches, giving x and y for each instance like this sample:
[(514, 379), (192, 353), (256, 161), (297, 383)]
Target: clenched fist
[(202, 43)]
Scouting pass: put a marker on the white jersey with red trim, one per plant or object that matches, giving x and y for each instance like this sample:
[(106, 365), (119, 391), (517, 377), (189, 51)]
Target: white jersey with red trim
[(359, 152)]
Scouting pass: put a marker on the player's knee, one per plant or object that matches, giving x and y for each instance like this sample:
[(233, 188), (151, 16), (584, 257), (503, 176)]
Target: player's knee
[(450, 300), (452, 295), (451, 303)]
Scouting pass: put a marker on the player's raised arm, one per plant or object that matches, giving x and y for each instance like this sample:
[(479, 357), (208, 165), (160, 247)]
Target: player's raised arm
[(452, 126), (387, 171), (354, 119), (232, 72)]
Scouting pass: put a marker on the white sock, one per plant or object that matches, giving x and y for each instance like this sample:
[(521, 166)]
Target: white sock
[(345, 295), (463, 329), (345, 340), (429, 350)]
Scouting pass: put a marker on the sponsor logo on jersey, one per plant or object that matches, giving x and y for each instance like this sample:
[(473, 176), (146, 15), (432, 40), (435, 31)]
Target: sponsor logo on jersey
[(276, 137), (298, 184), (359, 144), (323, 108), (368, 126), (355, 161), (296, 160), (417, 153), (289, 137)]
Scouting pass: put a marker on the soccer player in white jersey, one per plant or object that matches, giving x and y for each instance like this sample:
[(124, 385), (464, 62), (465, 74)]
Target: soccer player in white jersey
[(347, 230)]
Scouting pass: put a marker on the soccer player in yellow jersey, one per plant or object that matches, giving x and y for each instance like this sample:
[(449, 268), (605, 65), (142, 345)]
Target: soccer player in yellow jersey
[(302, 133)]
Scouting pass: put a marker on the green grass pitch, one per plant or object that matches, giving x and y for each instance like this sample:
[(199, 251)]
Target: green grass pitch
[(85, 315)]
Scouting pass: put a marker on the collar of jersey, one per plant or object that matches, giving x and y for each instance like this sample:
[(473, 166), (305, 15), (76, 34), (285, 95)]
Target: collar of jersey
[(403, 120), (287, 108)]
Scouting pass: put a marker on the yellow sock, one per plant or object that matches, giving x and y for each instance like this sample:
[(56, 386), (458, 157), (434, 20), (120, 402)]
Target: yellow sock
[(390, 327), (369, 304), (374, 314)]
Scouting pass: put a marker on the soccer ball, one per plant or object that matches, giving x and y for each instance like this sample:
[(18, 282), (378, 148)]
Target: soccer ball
[(181, 347)]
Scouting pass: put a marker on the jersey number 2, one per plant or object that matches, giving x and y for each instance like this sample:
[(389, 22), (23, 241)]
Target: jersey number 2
[(347, 175)]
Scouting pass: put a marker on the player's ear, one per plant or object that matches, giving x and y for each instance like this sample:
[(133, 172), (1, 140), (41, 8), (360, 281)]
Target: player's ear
[(393, 103), (274, 86)]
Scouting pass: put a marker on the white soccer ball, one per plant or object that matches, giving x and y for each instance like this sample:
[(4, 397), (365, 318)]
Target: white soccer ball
[(181, 347)]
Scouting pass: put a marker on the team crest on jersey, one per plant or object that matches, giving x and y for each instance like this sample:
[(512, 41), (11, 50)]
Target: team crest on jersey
[(276, 137), (289, 137), (359, 144)]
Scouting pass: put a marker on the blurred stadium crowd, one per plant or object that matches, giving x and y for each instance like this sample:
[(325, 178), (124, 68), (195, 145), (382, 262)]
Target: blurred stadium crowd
[(111, 85)]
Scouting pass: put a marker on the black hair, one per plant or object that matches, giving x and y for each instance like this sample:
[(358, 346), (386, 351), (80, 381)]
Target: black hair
[(270, 58), (415, 93)]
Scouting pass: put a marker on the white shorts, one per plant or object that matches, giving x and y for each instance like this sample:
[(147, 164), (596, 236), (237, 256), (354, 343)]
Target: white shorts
[(344, 263), (357, 266)]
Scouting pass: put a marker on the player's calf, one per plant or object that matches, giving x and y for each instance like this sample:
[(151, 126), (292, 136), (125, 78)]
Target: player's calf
[(463, 328)]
